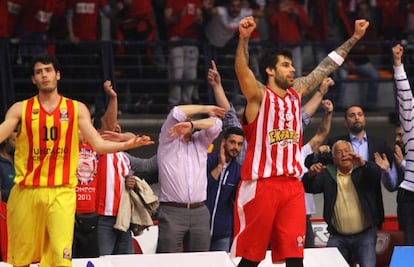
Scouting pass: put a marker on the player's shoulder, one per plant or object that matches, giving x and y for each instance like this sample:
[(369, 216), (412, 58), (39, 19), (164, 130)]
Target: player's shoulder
[(16, 107), (15, 111)]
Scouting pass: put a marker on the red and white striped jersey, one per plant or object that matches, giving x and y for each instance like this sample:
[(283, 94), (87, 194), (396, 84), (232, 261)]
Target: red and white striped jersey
[(274, 138), (112, 170)]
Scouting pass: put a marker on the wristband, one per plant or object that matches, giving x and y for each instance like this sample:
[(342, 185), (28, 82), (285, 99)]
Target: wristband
[(336, 58)]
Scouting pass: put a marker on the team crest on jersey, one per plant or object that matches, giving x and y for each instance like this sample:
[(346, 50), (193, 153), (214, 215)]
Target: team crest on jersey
[(289, 116), (300, 241), (66, 254), (64, 115), (35, 111)]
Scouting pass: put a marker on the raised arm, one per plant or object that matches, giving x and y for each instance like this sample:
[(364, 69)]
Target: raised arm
[(183, 129), (324, 127), (389, 176), (191, 110), (406, 112), (109, 119), (251, 89), (214, 79), (404, 94), (230, 119), (397, 53), (312, 105), (306, 84)]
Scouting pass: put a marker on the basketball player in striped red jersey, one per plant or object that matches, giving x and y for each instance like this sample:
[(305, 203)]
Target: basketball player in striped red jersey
[(41, 206), (270, 205)]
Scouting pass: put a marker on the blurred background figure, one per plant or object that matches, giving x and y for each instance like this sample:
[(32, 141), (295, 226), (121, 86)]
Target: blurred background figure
[(183, 19), (7, 171), (288, 24)]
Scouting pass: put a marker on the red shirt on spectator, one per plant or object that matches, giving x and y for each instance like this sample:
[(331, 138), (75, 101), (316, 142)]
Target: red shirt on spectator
[(391, 16), (287, 24), (36, 17), (139, 18), (185, 26), (319, 29), (87, 181), (343, 8), (58, 26), (15, 9), (85, 17), (139, 7)]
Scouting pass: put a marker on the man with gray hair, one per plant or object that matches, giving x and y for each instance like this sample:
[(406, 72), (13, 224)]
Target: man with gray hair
[(349, 191)]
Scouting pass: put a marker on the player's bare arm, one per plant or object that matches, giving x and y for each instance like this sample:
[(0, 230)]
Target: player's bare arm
[(11, 121), (117, 137), (98, 143), (251, 89), (306, 84)]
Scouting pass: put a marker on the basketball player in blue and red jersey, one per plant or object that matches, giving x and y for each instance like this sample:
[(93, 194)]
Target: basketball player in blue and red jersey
[(41, 206), (270, 205)]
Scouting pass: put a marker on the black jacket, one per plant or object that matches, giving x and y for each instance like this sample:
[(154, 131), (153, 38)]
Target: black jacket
[(374, 145), (364, 179)]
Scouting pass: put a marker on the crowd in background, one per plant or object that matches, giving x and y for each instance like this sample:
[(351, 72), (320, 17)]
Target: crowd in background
[(280, 20), (74, 27)]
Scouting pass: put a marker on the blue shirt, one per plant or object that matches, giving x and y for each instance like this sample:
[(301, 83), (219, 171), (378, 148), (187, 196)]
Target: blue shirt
[(360, 146), (7, 174)]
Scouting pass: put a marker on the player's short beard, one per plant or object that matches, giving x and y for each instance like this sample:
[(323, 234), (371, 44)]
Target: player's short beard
[(284, 84)]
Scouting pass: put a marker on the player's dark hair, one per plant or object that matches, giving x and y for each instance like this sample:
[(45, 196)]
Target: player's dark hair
[(270, 58), (45, 59)]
